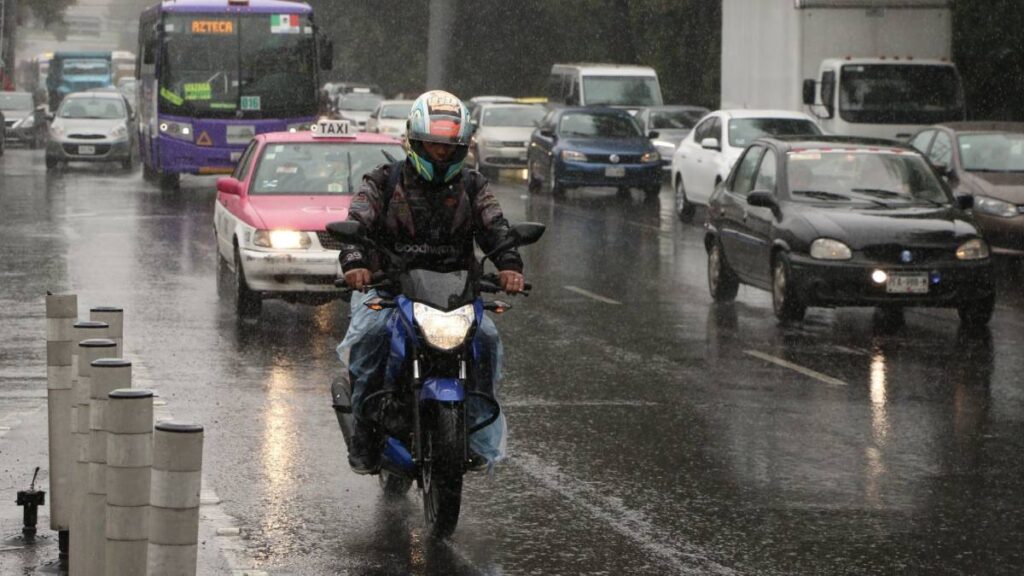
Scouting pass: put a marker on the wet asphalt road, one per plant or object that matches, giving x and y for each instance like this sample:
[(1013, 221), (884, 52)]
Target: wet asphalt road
[(652, 432)]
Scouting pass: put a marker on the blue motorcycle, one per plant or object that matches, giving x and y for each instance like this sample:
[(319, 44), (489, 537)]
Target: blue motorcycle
[(422, 406)]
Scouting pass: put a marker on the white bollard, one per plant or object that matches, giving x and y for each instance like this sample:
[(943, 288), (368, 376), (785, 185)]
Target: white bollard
[(88, 352), (114, 317), (61, 311), (129, 425), (174, 499), (108, 374)]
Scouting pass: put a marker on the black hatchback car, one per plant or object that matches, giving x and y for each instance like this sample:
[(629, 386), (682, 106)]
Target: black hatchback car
[(845, 222)]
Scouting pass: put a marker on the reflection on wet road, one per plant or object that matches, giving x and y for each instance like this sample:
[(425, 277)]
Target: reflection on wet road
[(652, 431)]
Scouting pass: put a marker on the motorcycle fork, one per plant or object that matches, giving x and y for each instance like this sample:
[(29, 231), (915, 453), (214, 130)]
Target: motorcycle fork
[(417, 386)]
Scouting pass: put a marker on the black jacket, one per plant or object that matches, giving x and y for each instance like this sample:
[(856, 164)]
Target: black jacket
[(434, 226)]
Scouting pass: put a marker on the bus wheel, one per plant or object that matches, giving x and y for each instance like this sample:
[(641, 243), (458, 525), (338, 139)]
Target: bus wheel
[(170, 181)]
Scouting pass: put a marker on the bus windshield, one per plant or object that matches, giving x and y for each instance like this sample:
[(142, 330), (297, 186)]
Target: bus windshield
[(621, 91), (899, 94), (247, 66)]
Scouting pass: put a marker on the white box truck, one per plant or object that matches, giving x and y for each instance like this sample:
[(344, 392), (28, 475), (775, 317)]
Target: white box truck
[(864, 67)]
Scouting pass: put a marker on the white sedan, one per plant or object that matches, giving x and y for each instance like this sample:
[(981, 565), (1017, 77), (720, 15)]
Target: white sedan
[(705, 156)]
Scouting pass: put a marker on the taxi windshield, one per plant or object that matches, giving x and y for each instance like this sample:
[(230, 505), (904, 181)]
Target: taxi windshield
[(317, 168), (879, 178)]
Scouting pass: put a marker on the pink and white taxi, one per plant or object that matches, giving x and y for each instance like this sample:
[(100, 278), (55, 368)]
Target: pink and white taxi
[(272, 212)]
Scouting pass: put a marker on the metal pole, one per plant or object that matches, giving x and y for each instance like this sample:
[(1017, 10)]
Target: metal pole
[(129, 426), (61, 311), (114, 317), (83, 541), (174, 511)]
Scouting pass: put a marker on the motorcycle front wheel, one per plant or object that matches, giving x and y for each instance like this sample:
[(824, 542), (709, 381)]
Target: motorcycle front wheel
[(442, 469)]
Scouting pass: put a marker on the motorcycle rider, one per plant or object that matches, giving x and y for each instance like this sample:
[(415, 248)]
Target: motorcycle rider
[(432, 216)]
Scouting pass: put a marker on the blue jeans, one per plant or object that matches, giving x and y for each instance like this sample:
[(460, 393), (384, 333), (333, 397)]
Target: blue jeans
[(366, 349)]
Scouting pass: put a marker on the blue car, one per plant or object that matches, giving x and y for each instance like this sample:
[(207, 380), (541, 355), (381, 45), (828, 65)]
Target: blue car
[(592, 147)]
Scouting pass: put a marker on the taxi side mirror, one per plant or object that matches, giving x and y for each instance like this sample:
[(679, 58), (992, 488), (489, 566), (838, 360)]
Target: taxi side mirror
[(229, 185)]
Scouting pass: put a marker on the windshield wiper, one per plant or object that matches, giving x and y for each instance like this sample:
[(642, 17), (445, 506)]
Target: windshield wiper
[(880, 192), (821, 195)]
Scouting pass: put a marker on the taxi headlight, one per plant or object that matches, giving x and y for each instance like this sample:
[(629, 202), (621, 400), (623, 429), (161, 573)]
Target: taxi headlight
[(829, 249), (443, 330), (994, 207), (573, 156), (179, 130), (650, 157), (975, 249), (281, 239)]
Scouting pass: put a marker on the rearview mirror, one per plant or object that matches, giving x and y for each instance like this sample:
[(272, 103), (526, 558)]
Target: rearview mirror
[(228, 185), (808, 92), (547, 133), (762, 199), (526, 233), (348, 231), (964, 201), (710, 144), (653, 134)]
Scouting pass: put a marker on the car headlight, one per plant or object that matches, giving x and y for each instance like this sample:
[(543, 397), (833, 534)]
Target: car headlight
[(573, 156), (829, 249), (390, 129), (975, 249), (664, 144), (650, 157), (299, 127), (489, 143), (994, 207), (26, 122), (443, 330), (179, 130), (56, 130), (118, 132), (281, 239)]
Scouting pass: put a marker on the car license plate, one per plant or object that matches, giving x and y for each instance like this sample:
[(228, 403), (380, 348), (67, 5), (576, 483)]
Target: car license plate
[(915, 283), (87, 150), (615, 171)]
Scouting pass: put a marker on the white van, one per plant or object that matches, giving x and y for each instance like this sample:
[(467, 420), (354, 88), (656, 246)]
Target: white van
[(615, 85)]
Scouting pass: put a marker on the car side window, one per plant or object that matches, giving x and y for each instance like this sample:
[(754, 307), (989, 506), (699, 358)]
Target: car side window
[(743, 179), (766, 172), (941, 153), (702, 129), (716, 131), (922, 140), (242, 169)]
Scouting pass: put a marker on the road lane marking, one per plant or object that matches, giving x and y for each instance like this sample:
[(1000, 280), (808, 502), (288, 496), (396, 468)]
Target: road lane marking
[(682, 557), (796, 367), (590, 294)]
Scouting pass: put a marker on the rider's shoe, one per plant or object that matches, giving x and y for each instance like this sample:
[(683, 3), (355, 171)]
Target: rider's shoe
[(364, 450), (477, 463)]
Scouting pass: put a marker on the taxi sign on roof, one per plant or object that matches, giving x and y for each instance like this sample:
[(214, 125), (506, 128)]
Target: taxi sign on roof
[(331, 128)]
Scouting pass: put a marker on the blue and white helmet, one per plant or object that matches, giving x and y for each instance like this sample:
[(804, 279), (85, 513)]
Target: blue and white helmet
[(438, 116)]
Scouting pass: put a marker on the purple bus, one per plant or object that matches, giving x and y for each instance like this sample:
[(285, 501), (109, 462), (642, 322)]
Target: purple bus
[(214, 73)]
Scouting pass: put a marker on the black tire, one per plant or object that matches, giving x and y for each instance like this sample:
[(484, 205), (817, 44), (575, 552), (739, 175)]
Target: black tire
[(722, 281), (148, 174), (248, 303), (554, 187), (52, 163), (651, 192), (532, 181), (977, 313), (684, 208), (127, 164), (442, 469), (393, 485), (785, 301), (169, 181)]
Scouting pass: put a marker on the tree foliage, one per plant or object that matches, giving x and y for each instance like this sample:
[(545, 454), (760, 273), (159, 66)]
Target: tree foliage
[(49, 12)]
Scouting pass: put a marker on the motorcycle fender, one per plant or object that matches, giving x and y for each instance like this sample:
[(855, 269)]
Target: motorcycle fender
[(443, 390)]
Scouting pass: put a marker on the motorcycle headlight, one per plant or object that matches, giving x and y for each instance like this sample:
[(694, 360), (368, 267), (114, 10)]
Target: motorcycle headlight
[(975, 249), (179, 130), (573, 156), (281, 239), (650, 157), (994, 207), (829, 249), (443, 330)]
